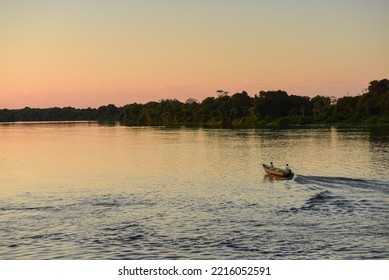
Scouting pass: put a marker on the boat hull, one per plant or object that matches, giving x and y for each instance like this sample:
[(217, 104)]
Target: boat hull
[(278, 172)]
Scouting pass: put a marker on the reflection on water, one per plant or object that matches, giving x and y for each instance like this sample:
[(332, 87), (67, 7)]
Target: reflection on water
[(269, 177), (95, 191)]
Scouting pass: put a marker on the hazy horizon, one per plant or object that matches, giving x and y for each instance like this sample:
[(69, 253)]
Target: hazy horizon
[(93, 53)]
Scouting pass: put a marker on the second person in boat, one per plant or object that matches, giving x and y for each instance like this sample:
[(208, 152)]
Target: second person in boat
[(287, 169)]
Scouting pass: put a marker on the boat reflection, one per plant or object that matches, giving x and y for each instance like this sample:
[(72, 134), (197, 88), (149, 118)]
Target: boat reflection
[(270, 177)]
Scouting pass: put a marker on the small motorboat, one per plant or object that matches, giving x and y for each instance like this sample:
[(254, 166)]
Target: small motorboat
[(282, 173)]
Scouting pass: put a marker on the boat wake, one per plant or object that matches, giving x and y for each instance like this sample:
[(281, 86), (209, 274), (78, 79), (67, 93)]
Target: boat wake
[(326, 202), (342, 182), (339, 194)]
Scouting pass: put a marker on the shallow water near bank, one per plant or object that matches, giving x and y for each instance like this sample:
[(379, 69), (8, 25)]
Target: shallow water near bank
[(93, 191)]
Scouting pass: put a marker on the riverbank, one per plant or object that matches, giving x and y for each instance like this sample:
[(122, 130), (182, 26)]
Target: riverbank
[(266, 109)]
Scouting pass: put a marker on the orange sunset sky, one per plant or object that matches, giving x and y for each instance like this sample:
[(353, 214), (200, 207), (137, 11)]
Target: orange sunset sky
[(88, 53)]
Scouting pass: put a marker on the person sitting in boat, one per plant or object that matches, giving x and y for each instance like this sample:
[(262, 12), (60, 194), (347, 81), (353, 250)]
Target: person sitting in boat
[(287, 169), (271, 166)]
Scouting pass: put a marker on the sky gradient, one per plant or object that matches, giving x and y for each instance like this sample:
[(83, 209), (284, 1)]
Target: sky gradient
[(88, 53)]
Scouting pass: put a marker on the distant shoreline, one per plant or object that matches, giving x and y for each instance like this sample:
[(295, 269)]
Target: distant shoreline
[(189, 126), (267, 109)]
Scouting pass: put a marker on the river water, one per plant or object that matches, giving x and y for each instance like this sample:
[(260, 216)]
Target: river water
[(93, 191)]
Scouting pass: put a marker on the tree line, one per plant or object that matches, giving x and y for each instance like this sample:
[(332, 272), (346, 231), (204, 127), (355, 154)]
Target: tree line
[(267, 108), (103, 113)]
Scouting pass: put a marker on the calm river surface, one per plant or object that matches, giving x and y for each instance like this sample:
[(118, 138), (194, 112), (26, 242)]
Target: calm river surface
[(92, 191)]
